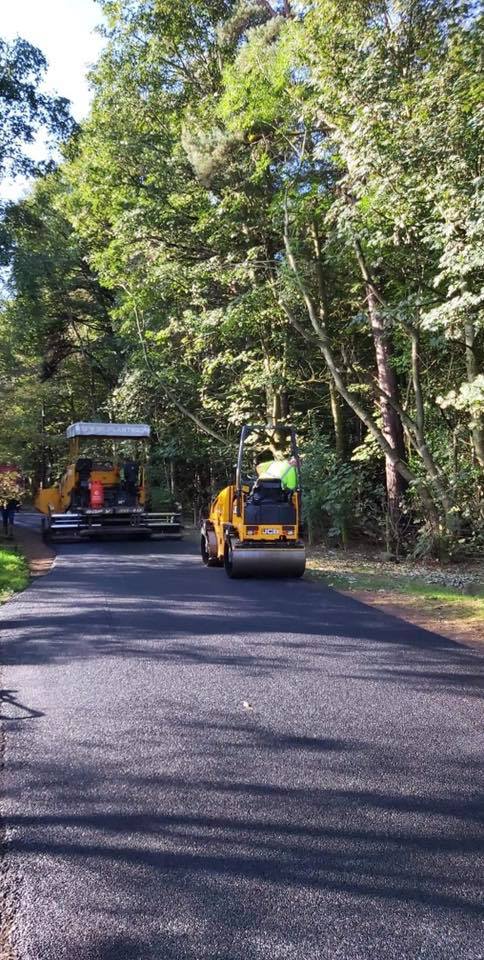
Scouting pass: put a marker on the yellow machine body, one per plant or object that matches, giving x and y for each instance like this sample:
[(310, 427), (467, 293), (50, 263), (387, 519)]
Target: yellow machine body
[(252, 539), (58, 497), (69, 506)]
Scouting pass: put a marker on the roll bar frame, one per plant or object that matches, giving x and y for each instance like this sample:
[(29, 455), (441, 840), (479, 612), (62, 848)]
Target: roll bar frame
[(247, 429)]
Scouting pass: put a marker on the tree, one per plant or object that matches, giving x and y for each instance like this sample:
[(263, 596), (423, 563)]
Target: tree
[(24, 108), (274, 213), (341, 91), (58, 349)]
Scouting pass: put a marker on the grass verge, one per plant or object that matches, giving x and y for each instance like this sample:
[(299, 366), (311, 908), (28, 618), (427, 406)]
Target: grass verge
[(14, 572)]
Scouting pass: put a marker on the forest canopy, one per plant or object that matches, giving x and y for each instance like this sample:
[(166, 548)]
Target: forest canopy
[(273, 213)]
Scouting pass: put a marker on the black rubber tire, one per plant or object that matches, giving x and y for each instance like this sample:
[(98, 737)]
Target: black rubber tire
[(204, 551), (206, 558), (228, 554)]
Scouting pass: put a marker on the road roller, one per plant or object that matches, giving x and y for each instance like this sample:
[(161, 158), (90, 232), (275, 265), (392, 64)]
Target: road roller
[(254, 525)]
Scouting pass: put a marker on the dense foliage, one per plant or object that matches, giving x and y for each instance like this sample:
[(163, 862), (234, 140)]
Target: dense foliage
[(14, 572), (24, 108), (273, 212)]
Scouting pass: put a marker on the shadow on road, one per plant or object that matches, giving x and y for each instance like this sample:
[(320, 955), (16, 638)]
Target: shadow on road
[(164, 608), (12, 709), (222, 842)]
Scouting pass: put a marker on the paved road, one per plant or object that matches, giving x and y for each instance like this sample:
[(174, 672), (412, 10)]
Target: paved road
[(152, 815)]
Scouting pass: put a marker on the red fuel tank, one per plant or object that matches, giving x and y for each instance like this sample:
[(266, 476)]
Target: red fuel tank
[(97, 494)]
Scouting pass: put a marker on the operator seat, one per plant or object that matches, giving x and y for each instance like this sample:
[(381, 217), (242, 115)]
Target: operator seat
[(129, 483), (269, 502), (83, 469)]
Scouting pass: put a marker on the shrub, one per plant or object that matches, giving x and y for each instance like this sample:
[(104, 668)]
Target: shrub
[(329, 487)]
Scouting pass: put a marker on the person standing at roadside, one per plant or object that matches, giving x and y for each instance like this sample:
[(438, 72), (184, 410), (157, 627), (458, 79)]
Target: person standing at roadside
[(9, 510)]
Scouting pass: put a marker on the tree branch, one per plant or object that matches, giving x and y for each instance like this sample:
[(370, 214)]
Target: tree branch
[(169, 393)]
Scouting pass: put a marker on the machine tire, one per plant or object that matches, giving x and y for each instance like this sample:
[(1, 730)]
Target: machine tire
[(205, 553)]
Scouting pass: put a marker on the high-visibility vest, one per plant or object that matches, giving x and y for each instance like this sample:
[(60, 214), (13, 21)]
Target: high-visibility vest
[(279, 470)]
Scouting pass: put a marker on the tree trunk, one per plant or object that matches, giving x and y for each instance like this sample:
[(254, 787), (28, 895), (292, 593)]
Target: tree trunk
[(477, 431), (318, 324), (391, 423), (280, 406), (271, 396), (340, 445), (338, 422)]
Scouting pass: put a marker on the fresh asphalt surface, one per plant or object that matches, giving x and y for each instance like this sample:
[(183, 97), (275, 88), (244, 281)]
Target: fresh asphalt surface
[(151, 814)]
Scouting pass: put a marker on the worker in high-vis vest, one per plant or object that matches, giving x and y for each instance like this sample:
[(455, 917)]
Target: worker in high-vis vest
[(283, 470)]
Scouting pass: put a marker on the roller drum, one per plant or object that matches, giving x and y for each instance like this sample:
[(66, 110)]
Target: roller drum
[(265, 561)]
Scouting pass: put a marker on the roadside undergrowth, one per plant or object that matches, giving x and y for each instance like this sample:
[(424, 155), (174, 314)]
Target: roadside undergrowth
[(14, 572)]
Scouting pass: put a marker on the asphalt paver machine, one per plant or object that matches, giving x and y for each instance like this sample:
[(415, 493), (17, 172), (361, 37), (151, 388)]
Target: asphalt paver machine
[(104, 489), (254, 525)]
